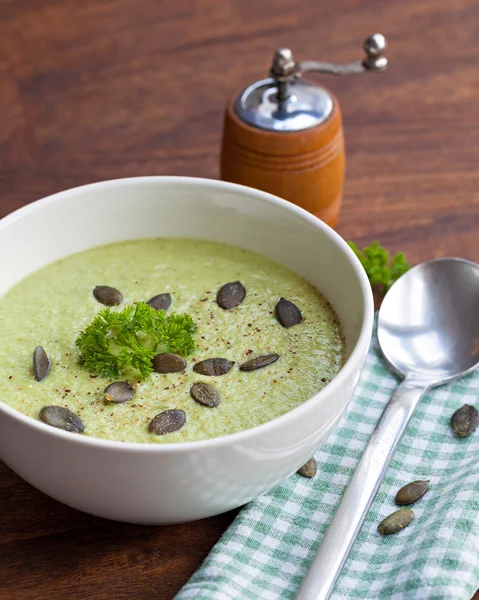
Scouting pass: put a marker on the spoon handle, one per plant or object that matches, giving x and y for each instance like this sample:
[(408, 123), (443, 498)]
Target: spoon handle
[(341, 534)]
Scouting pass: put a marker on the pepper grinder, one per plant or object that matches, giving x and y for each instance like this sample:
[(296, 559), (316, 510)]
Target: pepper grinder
[(284, 135)]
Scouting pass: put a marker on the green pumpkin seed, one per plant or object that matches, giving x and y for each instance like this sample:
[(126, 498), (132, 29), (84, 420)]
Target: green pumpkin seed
[(213, 366), (107, 295), (119, 392), (396, 521), (62, 418), (41, 363), (309, 469), (464, 420), (160, 302), (205, 394), (259, 362), (287, 313), (167, 362), (167, 421), (231, 295), (412, 492)]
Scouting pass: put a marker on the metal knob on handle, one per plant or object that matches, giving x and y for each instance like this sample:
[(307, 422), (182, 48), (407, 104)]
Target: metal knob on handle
[(375, 46)]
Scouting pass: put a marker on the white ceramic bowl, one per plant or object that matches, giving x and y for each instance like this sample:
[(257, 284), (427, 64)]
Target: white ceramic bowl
[(155, 484)]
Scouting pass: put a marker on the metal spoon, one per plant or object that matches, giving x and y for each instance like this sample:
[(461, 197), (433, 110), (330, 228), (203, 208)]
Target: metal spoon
[(428, 331)]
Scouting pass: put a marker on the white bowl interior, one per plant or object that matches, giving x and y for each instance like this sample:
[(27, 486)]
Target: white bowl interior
[(117, 210)]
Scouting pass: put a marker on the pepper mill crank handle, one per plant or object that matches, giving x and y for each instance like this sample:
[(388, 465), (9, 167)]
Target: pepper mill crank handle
[(284, 69), (374, 46)]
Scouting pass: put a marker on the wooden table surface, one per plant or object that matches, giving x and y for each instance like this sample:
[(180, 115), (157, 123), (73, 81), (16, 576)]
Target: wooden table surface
[(100, 89)]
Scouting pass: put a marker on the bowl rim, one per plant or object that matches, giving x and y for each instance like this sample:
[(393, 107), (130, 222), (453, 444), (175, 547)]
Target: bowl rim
[(359, 349)]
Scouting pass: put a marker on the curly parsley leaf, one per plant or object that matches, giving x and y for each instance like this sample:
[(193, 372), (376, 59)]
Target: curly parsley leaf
[(375, 260), (116, 341)]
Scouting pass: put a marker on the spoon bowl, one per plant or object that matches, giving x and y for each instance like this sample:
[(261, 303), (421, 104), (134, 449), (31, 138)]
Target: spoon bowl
[(428, 324)]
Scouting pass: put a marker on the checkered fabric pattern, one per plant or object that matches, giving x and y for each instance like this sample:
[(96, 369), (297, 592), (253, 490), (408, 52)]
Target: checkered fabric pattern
[(266, 551)]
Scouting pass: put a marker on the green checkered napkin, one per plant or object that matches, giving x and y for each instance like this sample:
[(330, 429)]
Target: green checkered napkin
[(266, 551)]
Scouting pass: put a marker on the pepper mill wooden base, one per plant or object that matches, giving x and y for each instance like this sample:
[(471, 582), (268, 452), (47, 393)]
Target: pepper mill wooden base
[(305, 167)]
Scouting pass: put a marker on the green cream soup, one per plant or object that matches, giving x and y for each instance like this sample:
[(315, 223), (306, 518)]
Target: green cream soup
[(51, 306)]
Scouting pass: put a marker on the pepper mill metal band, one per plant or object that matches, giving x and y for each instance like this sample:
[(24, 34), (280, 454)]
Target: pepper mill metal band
[(285, 136)]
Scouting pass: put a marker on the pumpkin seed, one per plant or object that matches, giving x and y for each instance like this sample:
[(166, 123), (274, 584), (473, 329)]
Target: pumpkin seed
[(167, 362), (309, 469), (41, 363), (107, 295), (412, 492), (259, 362), (213, 366), (167, 421), (62, 418), (464, 420), (119, 392), (287, 313), (160, 302), (205, 394), (396, 521), (231, 295)]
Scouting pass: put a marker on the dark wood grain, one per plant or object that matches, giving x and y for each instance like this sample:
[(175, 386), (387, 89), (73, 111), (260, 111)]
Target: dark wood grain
[(101, 89)]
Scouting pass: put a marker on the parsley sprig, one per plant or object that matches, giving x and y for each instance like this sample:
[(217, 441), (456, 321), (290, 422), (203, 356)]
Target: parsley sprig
[(375, 260), (128, 339)]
